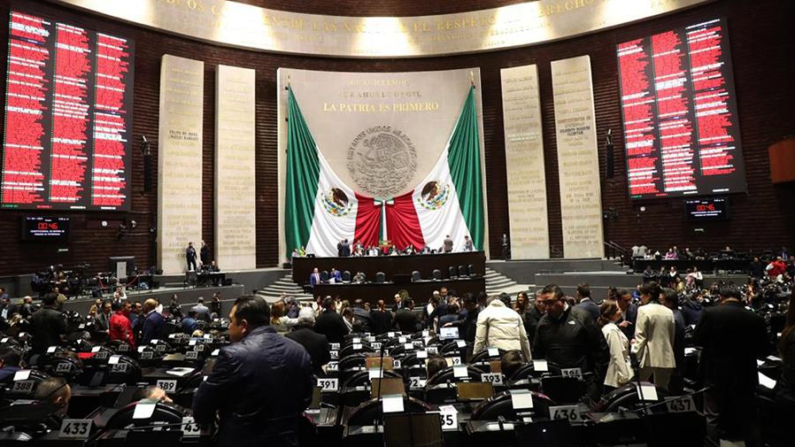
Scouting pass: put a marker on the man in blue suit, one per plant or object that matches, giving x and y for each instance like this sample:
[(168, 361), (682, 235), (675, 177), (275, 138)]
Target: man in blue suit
[(314, 278), (154, 324)]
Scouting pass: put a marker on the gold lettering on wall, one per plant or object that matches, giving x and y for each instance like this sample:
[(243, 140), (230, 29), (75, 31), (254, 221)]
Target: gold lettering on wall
[(179, 173), (252, 27)]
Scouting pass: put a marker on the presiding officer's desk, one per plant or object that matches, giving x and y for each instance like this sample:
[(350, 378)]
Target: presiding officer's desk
[(390, 265), (372, 292)]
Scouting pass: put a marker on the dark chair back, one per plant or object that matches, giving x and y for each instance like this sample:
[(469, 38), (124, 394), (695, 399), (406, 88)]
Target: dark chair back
[(370, 411), (437, 275), (501, 405), (452, 272), (346, 276), (380, 278), (164, 413), (462, 270), (471, 270), (416, 276), (324, 276)]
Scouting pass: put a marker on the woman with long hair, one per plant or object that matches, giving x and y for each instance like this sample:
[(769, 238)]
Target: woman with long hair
[(521, 303), (619, 370)]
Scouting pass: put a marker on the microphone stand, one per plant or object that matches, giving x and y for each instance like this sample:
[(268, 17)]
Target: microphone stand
[(380, 383)]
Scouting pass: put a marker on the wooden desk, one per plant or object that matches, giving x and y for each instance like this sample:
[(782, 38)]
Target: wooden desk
[(390, 265), (419, 291)]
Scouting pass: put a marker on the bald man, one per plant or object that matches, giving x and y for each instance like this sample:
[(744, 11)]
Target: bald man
[(56, 392), (154, 324)]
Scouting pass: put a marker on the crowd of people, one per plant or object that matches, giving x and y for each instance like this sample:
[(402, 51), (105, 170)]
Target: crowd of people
[(607, 342)]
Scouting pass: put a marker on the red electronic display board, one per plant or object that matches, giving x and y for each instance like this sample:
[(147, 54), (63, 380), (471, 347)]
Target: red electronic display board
[(68, 117), (681, 129)]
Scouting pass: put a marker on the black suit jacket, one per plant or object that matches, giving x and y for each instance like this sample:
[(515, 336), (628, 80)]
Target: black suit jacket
[(259, 386), (315, 344), (407, 321), (330, 324), (733, 338), (382, 321)]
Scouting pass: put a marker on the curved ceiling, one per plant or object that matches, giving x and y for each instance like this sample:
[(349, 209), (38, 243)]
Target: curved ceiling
[(380, 8)]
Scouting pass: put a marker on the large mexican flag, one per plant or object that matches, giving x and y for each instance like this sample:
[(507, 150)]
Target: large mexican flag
[(321, 210)]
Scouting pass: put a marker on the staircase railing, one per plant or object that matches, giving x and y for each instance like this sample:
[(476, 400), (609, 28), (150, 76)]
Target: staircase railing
[(616, 251)]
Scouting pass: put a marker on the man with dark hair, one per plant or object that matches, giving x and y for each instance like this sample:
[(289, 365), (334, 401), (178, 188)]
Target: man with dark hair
[(47, 325), (189, 323), (202, 311), (585, 302), (315, 344), (154, 327), (382, 318), (405, 319), (7, 309), (120, 327), (137, 319), (10, 359), (260, 385), (671, 301), (467, 328), (568, 338), (629, 313), (190, 256), (732, 338), (535, 311), (103, 319), (330, 323), (452, 315)]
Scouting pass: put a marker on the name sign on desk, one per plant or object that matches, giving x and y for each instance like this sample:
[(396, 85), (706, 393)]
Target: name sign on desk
[(422, 354), (494, 352), (192, 355), (449, 416), (357, 346), (334, 346), (492, 378), (119, 368), (453, 361), (75, 429), (335, 355), (147, 355), (417, 383), (460, 372), (408, 346), (332, 366), (328, 385), (521, 399), (376, 346), (432, 350), (461, 344), (392, 403), (575, 373), (169, 386), (23, 387), (190, 429), (647, 393), (569, 413), (396, 364), (63, 367), (123, 348), (682, 404)]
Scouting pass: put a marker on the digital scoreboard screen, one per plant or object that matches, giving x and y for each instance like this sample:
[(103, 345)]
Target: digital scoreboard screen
[(707, 209), (68, 117), (681, 129), (45, 229)]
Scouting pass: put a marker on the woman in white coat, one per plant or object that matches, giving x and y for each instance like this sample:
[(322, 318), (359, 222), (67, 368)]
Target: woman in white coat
[(619, 370), (654, 337)]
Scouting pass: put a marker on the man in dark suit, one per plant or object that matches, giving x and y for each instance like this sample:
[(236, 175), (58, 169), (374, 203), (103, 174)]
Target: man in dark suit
[(330, 324), (405, 318), (260, 385), (732, 338), (190, 255), (382, 318), (315, 344), (154, 324), (629, 313), (48, 325), (585, 302)]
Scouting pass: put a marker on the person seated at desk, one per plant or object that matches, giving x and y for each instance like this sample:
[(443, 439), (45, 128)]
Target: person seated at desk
[(334, 276), (435, 364), (410, 250), (10, 360), (151, 393), (373, 251), (510, 363), (55, 392), (359, 278), (393, 251), (426, 250), (189, 323)]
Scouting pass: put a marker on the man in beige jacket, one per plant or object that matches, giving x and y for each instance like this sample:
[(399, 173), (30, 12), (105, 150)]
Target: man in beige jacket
[(501, 327), (654, 337)]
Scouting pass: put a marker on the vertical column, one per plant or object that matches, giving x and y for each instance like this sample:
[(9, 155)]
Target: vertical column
[(524, 160), (235, 179), (179, 173), (578, 160)]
